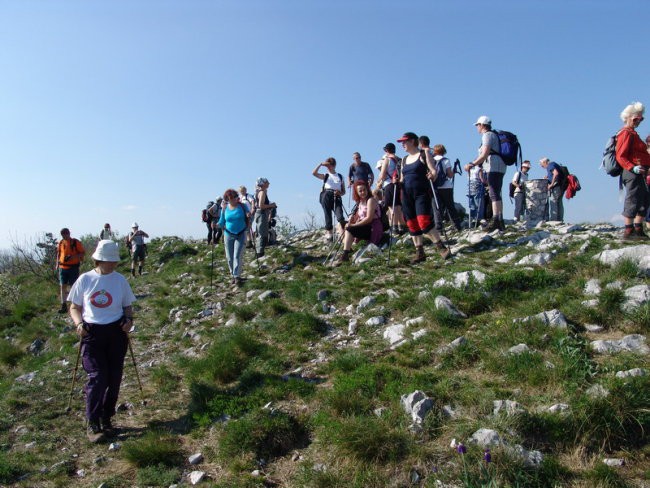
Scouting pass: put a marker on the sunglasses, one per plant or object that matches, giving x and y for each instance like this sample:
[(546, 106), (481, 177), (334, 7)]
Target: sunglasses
[(637, 119)]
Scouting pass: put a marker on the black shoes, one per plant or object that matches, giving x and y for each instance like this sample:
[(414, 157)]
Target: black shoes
[(94, 432)]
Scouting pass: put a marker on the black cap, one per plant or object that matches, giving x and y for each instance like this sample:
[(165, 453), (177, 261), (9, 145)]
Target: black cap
[(390, 148)]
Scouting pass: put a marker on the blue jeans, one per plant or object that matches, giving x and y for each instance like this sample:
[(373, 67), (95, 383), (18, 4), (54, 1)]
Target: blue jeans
[(476, 207), (235, 245)]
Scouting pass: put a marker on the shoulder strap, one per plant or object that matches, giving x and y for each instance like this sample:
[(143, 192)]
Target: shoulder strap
[(243, 209)]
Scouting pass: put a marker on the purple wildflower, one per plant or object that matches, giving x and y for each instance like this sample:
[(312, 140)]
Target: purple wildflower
[(461, 448), (487, 457)]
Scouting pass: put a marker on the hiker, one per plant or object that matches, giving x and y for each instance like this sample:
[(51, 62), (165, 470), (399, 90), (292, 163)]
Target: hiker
[(264, 212), (416, 197), (445, 190), (365, 224), (360, 170), (70, 254), (214, 213), (494, 167), (248, 200), (235, 223), (106, 232), (476, 200), (101, 310), (330, 196), (135, 240), (519, 182), (388, 181), (206, 217), (647, 180), (555, 189), (632, 155)]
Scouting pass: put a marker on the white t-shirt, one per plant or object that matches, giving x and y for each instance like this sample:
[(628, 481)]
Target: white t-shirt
[(102, 297), (523, 178), (333, 182), (446, 164), (493, 163)]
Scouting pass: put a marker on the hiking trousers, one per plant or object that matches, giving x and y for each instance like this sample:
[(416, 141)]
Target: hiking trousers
[(446, 204), (520, 205), (235, 245), (331, 203), (262, 229), (555, 204), (103, 352)]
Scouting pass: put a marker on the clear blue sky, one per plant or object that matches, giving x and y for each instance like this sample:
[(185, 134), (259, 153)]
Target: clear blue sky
[(121, 111)]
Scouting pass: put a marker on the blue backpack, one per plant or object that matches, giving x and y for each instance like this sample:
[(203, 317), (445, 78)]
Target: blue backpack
[(441, 174), (610, 164), (509, 147)]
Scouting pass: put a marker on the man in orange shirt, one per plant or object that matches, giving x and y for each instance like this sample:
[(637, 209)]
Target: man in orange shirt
[(70, 253)]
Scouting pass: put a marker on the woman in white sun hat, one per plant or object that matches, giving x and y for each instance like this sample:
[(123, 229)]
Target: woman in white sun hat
[(101, 309)]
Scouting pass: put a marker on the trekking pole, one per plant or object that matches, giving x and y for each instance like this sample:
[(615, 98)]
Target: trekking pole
[(335, 247), (74, 377), (469, 200), (252, 237), (135, 366), (212, 267), (392, 222), (435, 200)]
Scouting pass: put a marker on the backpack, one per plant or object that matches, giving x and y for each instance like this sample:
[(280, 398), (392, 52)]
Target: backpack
[(327, 175), (205, 217), (610, 164), (573, 186), (509, 147), (512, 187), (441, 173), (564, 175), (385, 222)]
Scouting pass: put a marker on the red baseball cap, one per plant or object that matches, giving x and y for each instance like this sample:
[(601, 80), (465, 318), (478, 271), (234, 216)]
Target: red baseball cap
[(407, 136)]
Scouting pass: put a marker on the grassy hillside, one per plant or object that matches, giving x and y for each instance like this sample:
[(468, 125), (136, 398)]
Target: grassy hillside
[(289, 381)]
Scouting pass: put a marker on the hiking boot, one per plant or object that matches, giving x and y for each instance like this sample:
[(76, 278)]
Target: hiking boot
[(419, 255), (445, 252), (402, 230), (238, 281), (107, 427), (343, 258), (64, 308), (133, 272), (628, 234), (492, 225), (501, 225), (640, 234), (94, 432)]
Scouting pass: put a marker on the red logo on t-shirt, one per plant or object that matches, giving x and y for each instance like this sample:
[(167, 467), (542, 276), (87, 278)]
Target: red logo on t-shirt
[(101, 299)]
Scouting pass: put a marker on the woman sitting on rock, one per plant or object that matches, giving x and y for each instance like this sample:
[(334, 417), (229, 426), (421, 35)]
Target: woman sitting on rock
[(365, 223)]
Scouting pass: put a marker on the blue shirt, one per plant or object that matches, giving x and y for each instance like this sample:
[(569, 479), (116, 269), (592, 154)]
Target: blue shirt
[(233, 220), (549, 171)]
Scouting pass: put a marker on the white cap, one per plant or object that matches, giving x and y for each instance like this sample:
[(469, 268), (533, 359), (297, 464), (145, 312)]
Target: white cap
[(107, 251), (134, 225), (483, 120)]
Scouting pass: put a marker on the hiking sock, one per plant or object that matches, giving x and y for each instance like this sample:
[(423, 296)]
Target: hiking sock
[(140, 270)]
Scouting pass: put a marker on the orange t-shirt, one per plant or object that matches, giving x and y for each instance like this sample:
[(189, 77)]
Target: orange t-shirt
[(72, 248)]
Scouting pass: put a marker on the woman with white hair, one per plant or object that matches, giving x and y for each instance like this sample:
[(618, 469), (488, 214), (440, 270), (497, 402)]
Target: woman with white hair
[(263, 209), (633, 157)]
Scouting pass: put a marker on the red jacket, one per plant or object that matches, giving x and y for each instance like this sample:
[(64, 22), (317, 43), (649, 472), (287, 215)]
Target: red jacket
[(631, 150)]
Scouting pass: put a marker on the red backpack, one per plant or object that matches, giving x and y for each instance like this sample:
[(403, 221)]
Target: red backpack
[(573, 186)]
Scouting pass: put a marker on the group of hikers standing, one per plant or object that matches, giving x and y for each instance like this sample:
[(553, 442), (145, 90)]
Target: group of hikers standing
[(232, 214)]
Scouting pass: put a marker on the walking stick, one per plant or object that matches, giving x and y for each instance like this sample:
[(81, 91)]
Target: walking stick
[(252, 238), (212, 266), (335, 248), (392, 214), (74, 377), (135, 366), (435, 200), (469, 199)]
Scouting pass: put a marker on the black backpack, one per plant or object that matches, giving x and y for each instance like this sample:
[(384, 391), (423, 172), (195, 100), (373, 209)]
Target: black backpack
[(512, 187), (564, 177)]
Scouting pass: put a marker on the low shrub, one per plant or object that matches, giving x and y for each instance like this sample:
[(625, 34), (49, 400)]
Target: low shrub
[(159, 475), (10, 355), (153, 449), (265, 434)]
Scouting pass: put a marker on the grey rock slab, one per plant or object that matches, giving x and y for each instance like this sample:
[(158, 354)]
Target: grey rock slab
[(594, 328), (486, 438), (592, 287), (614, 462), (195, 458), (415, 321), (638, 254), (444, 303), (509, 407), (630, 343), (195, 477), (419, 333), (455, 344), (507, 258), (552, 318), (635, 297), (366, 302), (417, 405), (530, 458), (519, 349), (559, 408), (394, 334), (631, 373), (375, 321), (392, 293), (539, 259), (267, 295)]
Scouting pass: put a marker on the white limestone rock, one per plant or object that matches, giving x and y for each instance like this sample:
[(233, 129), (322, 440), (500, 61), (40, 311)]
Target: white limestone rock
[(444, 303), (630, 343), (632, 373)]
